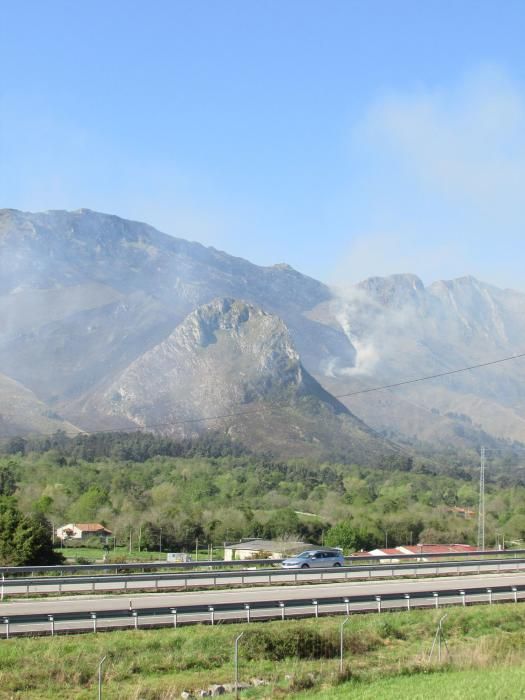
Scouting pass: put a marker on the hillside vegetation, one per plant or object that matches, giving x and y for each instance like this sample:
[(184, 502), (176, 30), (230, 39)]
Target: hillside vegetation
[(212, 490)]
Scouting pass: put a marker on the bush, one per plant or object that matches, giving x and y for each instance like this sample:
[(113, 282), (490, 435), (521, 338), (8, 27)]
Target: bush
[(303, 682), (388, 629), (306, 643)]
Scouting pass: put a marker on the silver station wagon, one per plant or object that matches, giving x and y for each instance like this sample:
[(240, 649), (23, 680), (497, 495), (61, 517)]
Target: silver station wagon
[(315, 558)]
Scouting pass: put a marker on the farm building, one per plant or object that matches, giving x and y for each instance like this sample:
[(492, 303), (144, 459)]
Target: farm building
[(263, 549), (391, 555)]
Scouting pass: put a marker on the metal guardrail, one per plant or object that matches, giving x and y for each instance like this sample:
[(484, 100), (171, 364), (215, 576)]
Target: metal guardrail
[(104, 582), (148, 566), (308, 606)]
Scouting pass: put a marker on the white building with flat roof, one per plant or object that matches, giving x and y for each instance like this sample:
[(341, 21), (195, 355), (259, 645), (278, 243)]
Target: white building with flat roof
[(263, 549)]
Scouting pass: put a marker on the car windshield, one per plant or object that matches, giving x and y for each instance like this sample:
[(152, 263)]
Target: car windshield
[(304, 555)]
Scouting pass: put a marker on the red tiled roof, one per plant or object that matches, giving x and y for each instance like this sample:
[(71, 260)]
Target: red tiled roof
[(440, 548), (391, 551), (90, 527), (419, 549)]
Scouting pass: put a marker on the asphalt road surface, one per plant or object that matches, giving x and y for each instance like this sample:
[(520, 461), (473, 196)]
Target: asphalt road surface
[(208, 579), (236, 600)]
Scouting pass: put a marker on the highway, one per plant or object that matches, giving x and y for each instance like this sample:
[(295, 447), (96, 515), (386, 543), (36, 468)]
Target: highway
[(208, 579), (73, 613)]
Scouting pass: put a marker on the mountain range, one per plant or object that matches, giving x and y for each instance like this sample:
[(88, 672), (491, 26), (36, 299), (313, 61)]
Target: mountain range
[(108, 323)]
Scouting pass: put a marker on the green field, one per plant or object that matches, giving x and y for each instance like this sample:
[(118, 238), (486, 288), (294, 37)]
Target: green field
[(118, 555), (122, 554), (386, 656), (507, 683)]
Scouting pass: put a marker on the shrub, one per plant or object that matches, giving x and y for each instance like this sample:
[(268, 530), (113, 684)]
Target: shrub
[(306, 643)]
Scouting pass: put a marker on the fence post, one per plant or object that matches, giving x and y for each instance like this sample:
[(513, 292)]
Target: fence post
[(100, 677), (341, 644), (236, 664)]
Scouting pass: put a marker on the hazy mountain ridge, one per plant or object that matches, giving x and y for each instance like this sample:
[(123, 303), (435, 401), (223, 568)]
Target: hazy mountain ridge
[(159, 277), (21, 412), (402, 329), (84, 296)]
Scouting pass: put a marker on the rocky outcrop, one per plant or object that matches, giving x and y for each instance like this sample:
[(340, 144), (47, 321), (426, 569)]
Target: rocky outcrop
[(233, 361)]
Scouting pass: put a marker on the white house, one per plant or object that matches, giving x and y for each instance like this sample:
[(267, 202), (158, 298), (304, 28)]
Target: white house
[(82, 531)]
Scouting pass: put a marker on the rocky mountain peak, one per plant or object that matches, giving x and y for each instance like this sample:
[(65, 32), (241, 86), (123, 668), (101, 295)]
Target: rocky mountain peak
[(228, 358), (243, 322), (241, 334), (394, 290)]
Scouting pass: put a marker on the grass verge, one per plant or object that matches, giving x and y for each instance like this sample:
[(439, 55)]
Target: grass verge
[(386, 656)]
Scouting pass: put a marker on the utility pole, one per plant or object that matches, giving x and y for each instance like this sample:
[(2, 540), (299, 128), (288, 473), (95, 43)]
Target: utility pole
[(481, 508)]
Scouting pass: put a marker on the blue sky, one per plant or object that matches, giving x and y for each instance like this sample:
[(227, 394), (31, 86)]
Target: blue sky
[(345, 138)]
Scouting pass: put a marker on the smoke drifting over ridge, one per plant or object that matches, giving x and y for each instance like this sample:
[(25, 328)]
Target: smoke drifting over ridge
[(442, 190)]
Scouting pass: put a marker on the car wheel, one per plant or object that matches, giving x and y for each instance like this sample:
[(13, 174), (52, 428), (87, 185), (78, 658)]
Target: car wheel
[(337, 564), (305, 566)]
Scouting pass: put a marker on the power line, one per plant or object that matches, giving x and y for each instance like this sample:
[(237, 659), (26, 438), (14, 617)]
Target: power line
[(263, 409), (481, 507), (427, 377)]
